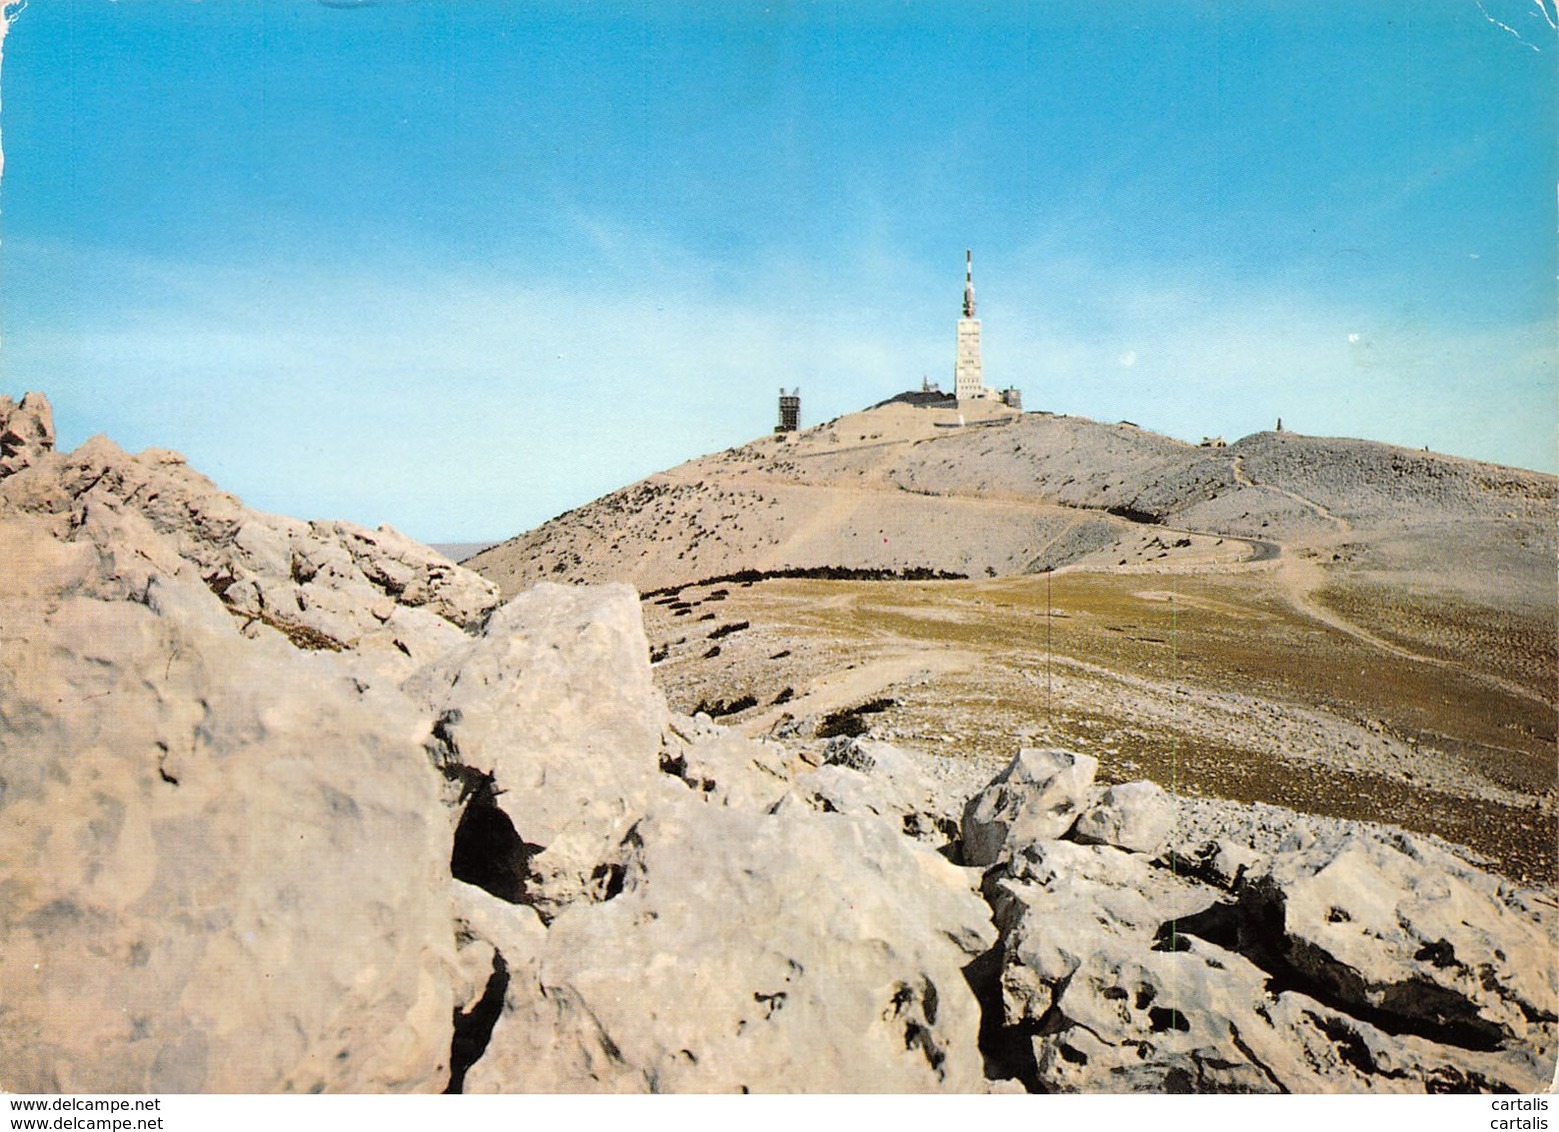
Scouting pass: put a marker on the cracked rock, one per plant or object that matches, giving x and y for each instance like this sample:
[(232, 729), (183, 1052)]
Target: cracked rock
[(1131, 815), (26, 431), (706, 973), (1356, 959), (1036, 798), (1404, 931), (228, 859), (554, 700), (863, 776)]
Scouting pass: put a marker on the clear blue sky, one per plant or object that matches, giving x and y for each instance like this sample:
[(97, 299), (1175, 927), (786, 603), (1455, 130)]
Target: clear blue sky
[(459, 266)]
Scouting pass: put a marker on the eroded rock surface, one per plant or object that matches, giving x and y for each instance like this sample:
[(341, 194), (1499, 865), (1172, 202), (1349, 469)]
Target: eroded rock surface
[(1288, 954), (554, 701), (26, 431), (863, 776), (748, 951), (1400, 931), (1037, 797), (1131, 815), (223, 862), (324, 586)]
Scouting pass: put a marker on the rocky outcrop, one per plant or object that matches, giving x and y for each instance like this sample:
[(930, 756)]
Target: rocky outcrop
[(705, 971), (1036, 798), (224, 861), (325, 586), (222, 844), (665, 855), (1398, 931), (1335, 957), (864, 776), (1131, 815), (231, 827), (553, 701), (729, 769), (26, 432)]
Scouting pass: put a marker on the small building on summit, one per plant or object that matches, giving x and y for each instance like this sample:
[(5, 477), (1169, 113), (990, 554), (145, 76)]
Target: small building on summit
[(929, 396), (789, 410)]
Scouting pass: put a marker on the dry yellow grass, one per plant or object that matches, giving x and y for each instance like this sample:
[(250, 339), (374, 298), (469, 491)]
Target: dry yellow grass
[(1214, 685)]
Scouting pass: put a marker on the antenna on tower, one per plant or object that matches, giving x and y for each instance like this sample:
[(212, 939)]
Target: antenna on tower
[(968, 283)]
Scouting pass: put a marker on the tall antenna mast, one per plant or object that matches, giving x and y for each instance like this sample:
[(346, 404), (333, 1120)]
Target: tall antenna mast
[(968, 283)]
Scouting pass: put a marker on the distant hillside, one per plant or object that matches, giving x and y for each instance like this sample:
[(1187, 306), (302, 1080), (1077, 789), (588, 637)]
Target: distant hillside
[(894, 489), (460, 551)]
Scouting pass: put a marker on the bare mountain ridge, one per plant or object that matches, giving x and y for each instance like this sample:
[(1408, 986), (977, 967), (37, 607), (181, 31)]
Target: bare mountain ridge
[(891, 489)]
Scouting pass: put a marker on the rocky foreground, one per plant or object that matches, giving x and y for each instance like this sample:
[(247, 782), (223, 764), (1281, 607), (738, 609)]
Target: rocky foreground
[(294, 806)]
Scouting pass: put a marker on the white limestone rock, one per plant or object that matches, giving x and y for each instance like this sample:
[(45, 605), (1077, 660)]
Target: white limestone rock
[(864, 776), (323, 586), (725, 767), (1398, 928), (555, 700), (1137, 816), (711, 971), (1059, 903), (1117, 998), (412, 574), (492, 935), (1203, 1019), (1342, 966), (224, 863), (1036, 798), (1221, 861)]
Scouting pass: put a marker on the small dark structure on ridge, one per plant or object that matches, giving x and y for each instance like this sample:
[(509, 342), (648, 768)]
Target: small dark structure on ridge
[(789, 410)]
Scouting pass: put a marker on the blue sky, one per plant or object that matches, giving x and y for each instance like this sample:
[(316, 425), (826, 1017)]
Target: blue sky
[(459, 266)]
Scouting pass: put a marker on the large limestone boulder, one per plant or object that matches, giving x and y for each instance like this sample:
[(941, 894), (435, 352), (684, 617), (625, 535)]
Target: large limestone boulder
[(1131, 815), (1036, 798), (1206, 1019), (746, 951), (1059, 903), (865, 776), (497, 945), (726, 767), (555, 702), (1399, 930), (223, 861), (1349, 958), (1113, 996), (1137, 1020)]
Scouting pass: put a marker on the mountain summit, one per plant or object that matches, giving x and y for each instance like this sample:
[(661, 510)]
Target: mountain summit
[(899, 489)]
